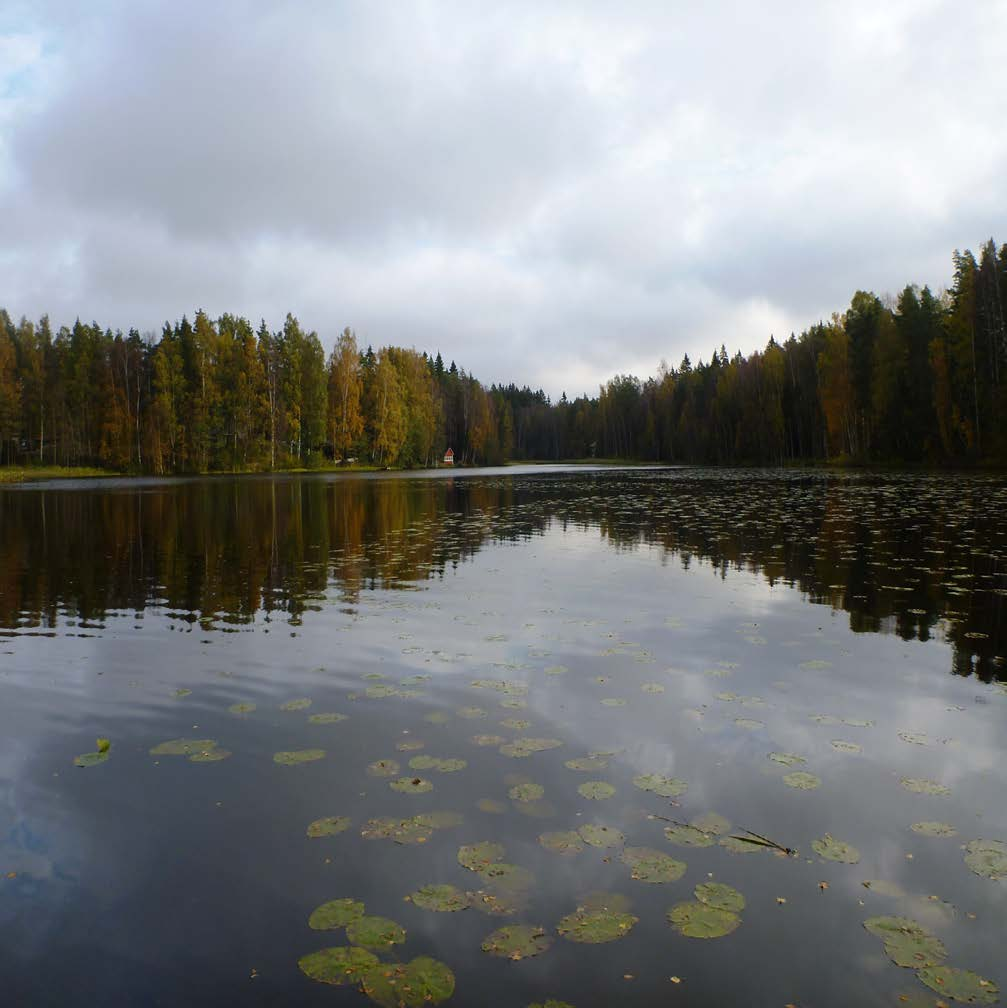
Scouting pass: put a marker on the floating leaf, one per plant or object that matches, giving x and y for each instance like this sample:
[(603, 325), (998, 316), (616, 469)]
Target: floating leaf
[(516, 724), (592, 927), (521, 747), (213, 755), (587, 763), (380, 692), (737, 845), (329, 826), (375, 932), (749, 723), (786, 758), (666, 787), (296, 756), (91, 759), (478, 856), (934, 829), (437, 717), (720, 896), (440, 820), (443, 898), (613, 702), (688, 836), (959, 985), (848, 747), (601, 836), (471, 712), (421, 982), (183, 692), (434, 763), (517, 941), (596, 790), (526, 792), (241, 708), (652, 687), (650, 865), (987, 858), (802, 780), (920, 785), (835, 850), (328, 717), (488, 740), (556, 670), (562, 843), (409, 745), (335, 914), (907, 943), (491, 805), (294, 705), (700, 920), (913, 738), (338, 966), (711, 823), (404, 831), (383, 768), (183, 747), (411, 785), (103, 745), (499, 876)]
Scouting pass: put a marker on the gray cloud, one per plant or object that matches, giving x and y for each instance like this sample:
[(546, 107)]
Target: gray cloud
[(544, 194)]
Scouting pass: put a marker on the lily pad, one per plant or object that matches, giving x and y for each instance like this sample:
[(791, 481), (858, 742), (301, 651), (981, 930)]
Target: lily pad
[(802, 780), (338, 966), (297, 756), (411, 785), (913, 738), (787, 758), (383, 768), (653, 687), (907, 943), (596, 790), (335, 914), (241, 708), (488, 740), (409, 745), (435, 763), (183, 747), (516, 724), (934, 829), (94, 758), (375, 932), (737, 845), (720, 896), (303, 703), (601, 836), (403, 831), (613, 702), (499, 875), (568, 842), (517, 941), (700, 920), (214, 755), (526, 792), (711, 823), (848, 747), (491, 805), (920, 785), (471, 713), (592, 927), (437, 717), (380, 692), (750, 723), (650, 865), (666, 787), (329, 826), (183, 692), (987, 858), (959, 985), (443, 898), (440, 820), (522, 747), (478, 856), (836, 850), (327, 717), (421, 982), (587, 763), (688, 836)]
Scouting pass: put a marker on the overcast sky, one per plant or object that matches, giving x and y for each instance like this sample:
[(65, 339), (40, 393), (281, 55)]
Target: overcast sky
[(547, 193)]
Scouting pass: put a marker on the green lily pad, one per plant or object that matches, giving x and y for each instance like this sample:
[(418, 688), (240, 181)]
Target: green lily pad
[(987, 858), (491, 805), (601, 836), (848, 747), (404, 831), (375, 932), (587, 763), (500, 876), (478, 856), (183, 692), (736, 845), (666, 787), (913, 738), (568, 842), (802, 780), (907, 943), (720, 896), (700, 920), (711, 823), (409, 745), (920, 785), (294, 705), (750, 723), (653, 687), (471, 712), (380, 692), (959, 985), (338, 966), (787, 758), (335, 914), (517, 941), (550, 1003), (383, 768), (526, 792), (613, 702), (213, 755), (437, 717), (411, 785), (434, 763), (592, 927), (440, 820), (522, 747), (183, 747), (688, 836), (443, 898), (327, 717), (241, 708), (329, 826), (421, 982), (297, 756), (835, 850), (516, 724), (596, 790), (650, 865), (934, 829), (91, 759), (488, 740), (556, 670)]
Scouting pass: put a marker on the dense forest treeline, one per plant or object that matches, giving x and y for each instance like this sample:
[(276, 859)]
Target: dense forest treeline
[(920, 378)]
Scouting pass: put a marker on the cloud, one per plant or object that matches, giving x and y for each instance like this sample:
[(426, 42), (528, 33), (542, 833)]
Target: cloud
[(545, 195)]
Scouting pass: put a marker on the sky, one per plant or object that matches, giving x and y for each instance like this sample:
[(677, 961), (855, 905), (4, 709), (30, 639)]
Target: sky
[(548, 194)]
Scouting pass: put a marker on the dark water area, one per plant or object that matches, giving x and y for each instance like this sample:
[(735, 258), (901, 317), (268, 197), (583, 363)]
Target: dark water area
[(662, 630)]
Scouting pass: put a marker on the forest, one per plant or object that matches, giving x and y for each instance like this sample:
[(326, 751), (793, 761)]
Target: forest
[(919, 378)]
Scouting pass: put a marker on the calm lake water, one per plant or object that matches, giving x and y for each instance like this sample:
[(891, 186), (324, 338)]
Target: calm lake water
[(504, 656)]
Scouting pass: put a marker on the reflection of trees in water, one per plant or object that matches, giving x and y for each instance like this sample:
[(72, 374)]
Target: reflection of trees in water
[(902, 555)]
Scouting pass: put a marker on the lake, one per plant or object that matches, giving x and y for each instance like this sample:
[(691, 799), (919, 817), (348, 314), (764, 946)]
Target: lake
[(498, 732)]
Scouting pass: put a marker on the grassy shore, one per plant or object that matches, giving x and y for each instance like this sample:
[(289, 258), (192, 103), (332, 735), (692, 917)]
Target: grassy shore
[(30, 474)]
